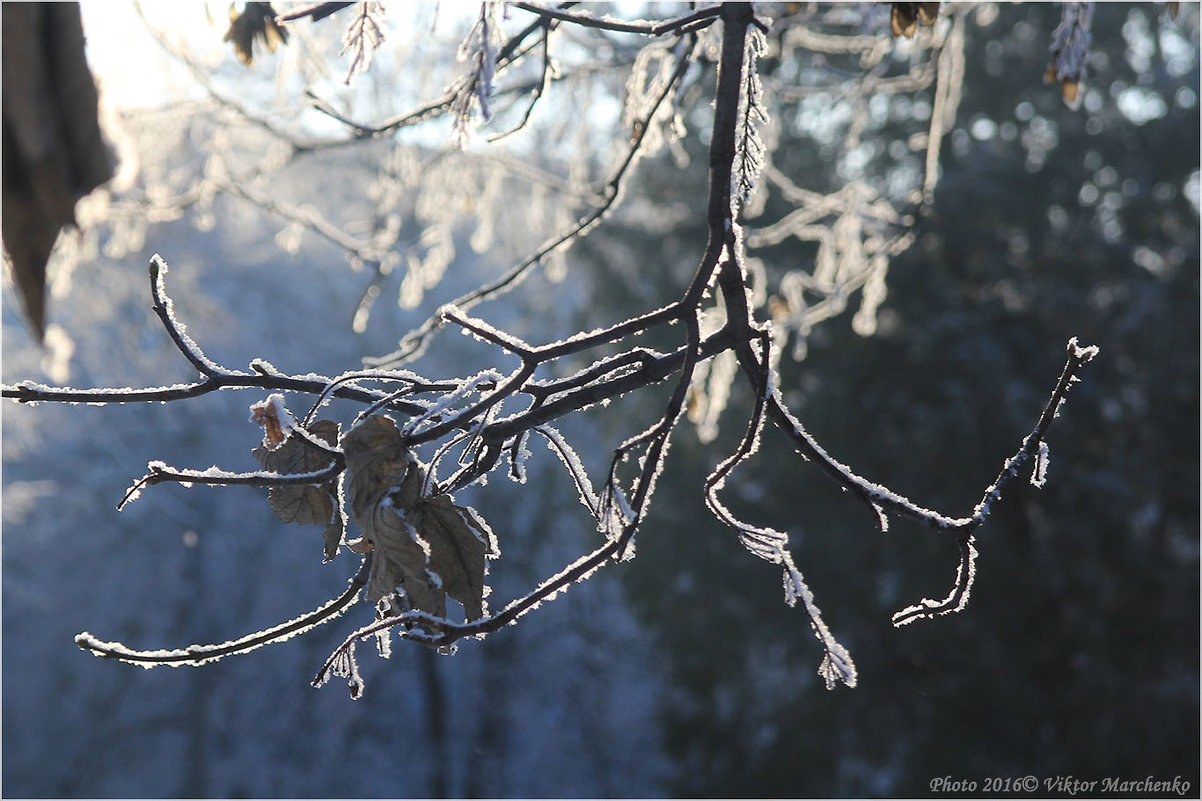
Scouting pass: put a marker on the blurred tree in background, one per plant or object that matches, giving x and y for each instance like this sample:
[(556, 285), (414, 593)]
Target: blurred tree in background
[(1079, 652)]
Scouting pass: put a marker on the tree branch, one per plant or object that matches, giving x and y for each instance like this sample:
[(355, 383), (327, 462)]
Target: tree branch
[(413, 344), (464, 415), (605, 23), (196, 655), (508, 54), (160, 473), (217, 377)]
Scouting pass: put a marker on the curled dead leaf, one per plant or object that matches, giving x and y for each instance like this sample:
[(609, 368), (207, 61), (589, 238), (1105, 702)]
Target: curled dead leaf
[(426, 548), (256, 21), (905, 17), (1070, 52), (306, 504), (276, 421), (459, 542), (377, 461)]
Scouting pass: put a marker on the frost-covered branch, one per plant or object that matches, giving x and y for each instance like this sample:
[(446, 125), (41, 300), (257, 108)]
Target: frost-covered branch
[(880, 497), (393, 467), (536, 94), (363, 37), (689, 22), (413, 344), (196, 655), (504, 57), (884, 501), (771, 545), (161, 472), (216, 377)]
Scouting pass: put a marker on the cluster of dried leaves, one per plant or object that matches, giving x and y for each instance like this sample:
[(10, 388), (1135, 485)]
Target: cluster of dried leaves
[(425, 547)]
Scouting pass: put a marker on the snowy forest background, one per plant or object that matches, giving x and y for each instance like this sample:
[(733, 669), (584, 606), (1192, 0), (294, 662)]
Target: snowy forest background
[(680, 672)]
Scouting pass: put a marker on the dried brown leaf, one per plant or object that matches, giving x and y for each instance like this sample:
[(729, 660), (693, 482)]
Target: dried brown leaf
[(305, 504), (257, 21), (902, 20), (904, 17), (459, 543), (376, 463), (400, 561), (1071, 41), (382, 481), (54, 152), (428, 548), (275, 420)]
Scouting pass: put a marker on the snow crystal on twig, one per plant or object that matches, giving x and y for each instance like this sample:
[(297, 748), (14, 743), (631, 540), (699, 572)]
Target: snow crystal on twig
[(476, 89), (749, 147), (1039, 474), (364, 37), (557, 443)]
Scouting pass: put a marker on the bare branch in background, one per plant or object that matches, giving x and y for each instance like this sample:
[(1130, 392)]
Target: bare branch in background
[(363, 37)]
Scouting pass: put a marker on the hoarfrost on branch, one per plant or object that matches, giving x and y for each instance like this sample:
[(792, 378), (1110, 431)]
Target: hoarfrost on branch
[(419, 547)]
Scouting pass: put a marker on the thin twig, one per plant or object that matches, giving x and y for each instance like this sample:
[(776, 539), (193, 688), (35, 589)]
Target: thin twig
[(217, 377), (537, 93), (196, 655), (413, 344), (202, 77), (509, 53), (617, 26), (161, 472), (878, 496)]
